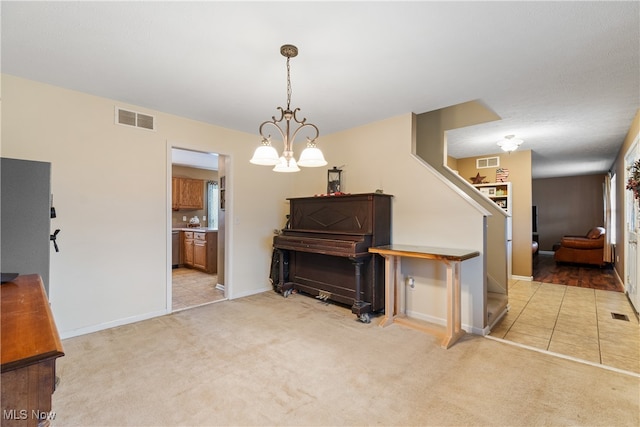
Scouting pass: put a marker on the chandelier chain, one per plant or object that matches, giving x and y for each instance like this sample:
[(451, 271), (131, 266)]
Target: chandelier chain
[(288, 85)]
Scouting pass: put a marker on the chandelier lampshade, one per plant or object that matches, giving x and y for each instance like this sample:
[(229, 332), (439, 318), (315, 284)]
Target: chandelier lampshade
[(285, 165), (312, 157), (266, 154)]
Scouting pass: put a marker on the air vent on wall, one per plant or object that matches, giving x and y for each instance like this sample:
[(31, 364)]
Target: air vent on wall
[(487, 162), (131, 118)]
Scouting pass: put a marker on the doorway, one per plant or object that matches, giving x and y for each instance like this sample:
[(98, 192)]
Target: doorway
[(197, 232)]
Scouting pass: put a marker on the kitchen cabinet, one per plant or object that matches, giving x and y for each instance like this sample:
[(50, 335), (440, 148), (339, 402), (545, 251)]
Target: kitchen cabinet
[(188, 248), (200, 250), (187, 194)]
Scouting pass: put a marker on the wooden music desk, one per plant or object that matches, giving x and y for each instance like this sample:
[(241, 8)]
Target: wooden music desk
[(393, 280)]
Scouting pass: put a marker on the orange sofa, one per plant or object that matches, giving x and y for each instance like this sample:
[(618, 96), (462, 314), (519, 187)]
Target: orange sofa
[(588, 249)]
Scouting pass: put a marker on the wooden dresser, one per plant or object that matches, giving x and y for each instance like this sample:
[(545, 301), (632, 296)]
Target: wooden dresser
[(30, 347)]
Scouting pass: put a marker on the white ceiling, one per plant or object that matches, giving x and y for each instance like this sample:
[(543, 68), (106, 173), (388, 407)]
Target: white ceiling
[(194, 159), (564, 76)]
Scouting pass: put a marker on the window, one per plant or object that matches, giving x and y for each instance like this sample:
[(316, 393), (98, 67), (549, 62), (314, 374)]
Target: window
[(212, 204)]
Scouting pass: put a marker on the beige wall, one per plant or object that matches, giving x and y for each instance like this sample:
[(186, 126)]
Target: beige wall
[(567, 206), (452, 163), (111, 186), (519, 165)]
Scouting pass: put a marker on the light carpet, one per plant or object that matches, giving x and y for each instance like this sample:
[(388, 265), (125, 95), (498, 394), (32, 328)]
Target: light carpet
[(267, 360)]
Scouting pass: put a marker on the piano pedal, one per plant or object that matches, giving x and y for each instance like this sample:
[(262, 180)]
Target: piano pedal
[(365, 318), (324, 296)]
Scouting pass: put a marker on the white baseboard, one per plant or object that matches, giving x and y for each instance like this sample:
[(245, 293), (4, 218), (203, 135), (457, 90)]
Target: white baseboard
[(133, 319), (443, 322), (523, 278), (251, 292), (487, 329), (112, 324)]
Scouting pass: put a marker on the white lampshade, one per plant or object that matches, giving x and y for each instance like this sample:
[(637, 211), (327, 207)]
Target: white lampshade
[(282, 165), (265, 155), (312, 157)]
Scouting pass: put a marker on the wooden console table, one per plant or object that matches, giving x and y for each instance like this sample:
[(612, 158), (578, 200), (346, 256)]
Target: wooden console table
[(395, 311), (30, 347)]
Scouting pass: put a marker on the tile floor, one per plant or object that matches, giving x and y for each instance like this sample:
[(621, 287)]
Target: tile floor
[(192, 288), (572, 321)]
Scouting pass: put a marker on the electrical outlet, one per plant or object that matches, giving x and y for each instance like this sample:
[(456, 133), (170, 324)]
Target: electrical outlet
[(411, 282), (184, 218)]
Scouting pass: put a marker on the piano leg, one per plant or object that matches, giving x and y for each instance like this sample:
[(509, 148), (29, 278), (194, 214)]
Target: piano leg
[(360, 308), (282, 287)]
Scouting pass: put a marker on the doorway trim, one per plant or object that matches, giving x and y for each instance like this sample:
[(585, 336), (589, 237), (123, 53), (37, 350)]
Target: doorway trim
[(631, 214), (168, 228)]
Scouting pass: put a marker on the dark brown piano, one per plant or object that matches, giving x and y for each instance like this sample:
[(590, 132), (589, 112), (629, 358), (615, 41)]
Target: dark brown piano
[(324, 251)]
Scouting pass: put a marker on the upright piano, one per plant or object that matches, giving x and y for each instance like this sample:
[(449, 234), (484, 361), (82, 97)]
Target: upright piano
[(324, 250)]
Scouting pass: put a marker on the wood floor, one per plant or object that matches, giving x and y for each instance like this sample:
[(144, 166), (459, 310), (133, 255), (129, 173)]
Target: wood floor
[(546, 270)]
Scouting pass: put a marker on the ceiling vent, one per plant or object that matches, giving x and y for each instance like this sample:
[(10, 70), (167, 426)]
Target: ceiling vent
[(487, 162), (132, 118)]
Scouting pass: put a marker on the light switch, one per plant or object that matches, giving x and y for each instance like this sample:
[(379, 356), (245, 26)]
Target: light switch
[(184, 218)]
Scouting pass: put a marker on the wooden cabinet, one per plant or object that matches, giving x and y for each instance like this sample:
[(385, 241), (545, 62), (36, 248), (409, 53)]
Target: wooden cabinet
[(175, 193), (30, 347), (187, 194), (188, 248), (200, 250)]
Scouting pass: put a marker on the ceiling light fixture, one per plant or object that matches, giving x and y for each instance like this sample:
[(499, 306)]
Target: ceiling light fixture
[(266, 155), (510, 143)]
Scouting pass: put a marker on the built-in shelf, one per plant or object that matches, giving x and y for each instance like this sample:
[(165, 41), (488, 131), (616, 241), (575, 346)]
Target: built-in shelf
[(499, 192)]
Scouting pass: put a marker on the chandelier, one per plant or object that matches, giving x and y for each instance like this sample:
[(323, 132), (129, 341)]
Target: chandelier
[(510, 143), (267, 155)]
